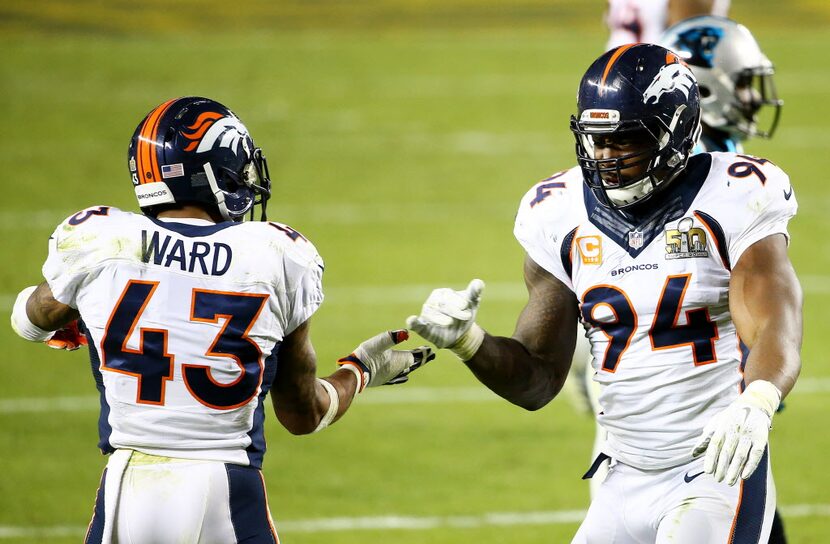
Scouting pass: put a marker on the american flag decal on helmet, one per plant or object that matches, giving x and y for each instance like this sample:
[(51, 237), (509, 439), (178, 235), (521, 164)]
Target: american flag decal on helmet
[(172, 170)]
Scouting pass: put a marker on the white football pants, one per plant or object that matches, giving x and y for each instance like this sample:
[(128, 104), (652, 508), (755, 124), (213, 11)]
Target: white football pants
[(679, 505), (147, 499)]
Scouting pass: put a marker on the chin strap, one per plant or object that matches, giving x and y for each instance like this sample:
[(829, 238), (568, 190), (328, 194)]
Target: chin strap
[(218, 193)]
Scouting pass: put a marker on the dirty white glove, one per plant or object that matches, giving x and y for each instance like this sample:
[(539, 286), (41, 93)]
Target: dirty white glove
[(447, 320), (735, 439), (374, 362)]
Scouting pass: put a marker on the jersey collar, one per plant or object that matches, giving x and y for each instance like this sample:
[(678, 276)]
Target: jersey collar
[(644, 227)]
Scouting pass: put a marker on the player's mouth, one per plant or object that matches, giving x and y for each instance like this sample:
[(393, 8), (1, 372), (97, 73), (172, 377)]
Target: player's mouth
[(611, 180)]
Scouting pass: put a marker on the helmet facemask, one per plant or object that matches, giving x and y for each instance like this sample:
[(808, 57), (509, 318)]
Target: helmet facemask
[(238, 193), (628, 179), (755, 103)]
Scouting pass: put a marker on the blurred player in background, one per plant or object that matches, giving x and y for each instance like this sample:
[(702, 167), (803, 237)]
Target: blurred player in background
[(192, 316), (678, 265), (633, 21), (738, 98)]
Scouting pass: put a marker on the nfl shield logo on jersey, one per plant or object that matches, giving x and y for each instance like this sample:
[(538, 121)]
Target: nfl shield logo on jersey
[(635, 239)]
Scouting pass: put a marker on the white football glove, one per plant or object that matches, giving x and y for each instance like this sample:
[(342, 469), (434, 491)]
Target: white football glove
[(375, 363), (734, 440), (448, 319)]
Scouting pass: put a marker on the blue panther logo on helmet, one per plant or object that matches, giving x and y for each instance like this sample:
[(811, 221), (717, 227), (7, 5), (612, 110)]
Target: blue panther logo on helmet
[(700, 43)]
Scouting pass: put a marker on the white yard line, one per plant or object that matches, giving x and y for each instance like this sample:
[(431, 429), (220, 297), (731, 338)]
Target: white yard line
[(409, 523), (808, 386), (31, 405), (414, 523), (399, 395)]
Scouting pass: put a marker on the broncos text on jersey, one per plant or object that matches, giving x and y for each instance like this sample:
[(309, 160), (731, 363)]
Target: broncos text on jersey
[(654, 292)]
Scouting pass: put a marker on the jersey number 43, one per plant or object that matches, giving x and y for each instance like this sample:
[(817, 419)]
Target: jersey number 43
[(153, 366)]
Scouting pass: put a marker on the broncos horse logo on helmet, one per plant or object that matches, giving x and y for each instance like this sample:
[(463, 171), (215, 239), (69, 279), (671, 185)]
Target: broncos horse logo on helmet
[(194, 150), (637, 92), (671, 77), (211, 127)]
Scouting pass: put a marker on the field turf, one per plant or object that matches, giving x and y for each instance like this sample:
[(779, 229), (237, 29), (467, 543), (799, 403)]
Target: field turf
[(400, 141)]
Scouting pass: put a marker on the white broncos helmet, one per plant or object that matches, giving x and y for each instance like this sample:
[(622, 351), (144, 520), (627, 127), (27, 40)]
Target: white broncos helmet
[(734, 75)]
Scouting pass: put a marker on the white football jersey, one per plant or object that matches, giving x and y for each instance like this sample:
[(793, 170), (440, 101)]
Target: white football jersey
[(185, 318), (654, 293), (633, 21)]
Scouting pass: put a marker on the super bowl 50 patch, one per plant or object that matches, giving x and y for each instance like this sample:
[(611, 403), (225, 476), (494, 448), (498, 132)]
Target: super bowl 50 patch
[(685, 241)]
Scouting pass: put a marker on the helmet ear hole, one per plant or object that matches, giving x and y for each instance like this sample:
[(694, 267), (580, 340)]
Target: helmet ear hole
[(229, 181), (169, 134)]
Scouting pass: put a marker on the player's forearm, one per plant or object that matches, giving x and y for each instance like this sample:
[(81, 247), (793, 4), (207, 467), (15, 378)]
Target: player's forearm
[(46, 312), (303, 407), (345, 383), (775, 355), (766, 302), (774, 339), (508, 369)]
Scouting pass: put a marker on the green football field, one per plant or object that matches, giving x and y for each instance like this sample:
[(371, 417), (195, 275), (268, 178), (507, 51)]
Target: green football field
[(400, 136)]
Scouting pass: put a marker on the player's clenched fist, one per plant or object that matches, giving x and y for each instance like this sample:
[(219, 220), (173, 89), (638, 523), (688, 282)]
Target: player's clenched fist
[(69, 338), (376, 363), (447, 319), (734, 440)]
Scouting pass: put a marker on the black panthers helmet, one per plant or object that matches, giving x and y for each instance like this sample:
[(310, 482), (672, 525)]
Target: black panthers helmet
[(636, 91), (737, 90), (194, 150)]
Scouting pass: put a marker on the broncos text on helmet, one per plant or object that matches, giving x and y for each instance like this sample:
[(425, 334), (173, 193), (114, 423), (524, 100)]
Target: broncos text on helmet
[(735, 77), (194, 150), (635, 93)]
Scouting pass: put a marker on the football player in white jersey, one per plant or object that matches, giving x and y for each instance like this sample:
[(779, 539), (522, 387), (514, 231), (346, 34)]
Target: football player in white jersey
[(678, 266), (738, 93), (738, 101), (192, 316), (632, 21)]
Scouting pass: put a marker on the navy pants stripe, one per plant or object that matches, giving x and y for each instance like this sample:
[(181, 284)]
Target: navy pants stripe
[(95, 533), (751, 510), (249, 506)]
